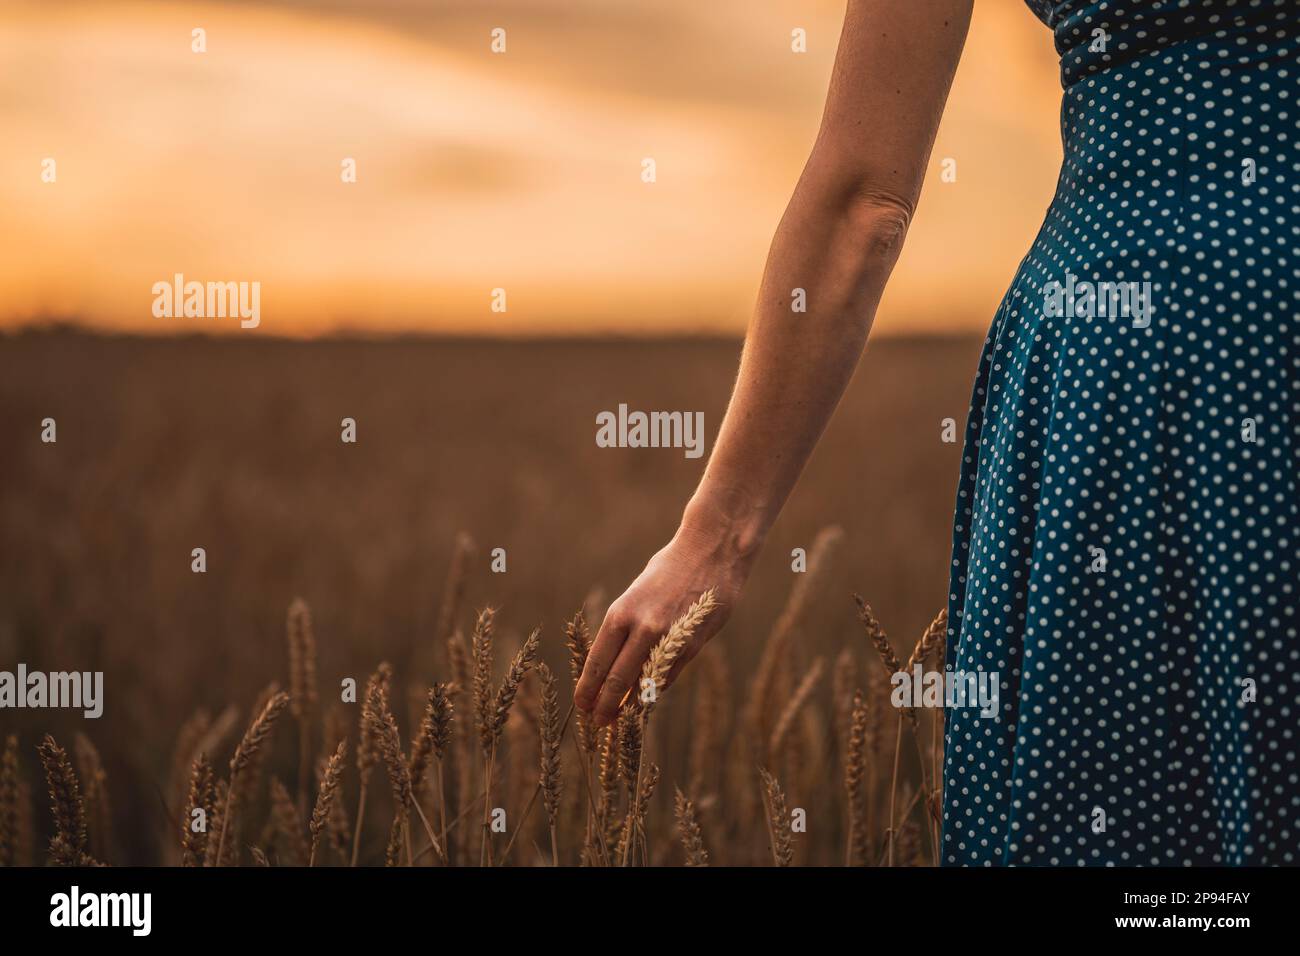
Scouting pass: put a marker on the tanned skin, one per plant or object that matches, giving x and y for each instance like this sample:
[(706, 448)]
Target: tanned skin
[(838, 240)]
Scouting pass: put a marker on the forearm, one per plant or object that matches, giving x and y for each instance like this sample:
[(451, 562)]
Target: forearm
[(837, 242)]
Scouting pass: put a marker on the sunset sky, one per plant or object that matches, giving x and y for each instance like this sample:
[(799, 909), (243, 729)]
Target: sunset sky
[(475, 170)]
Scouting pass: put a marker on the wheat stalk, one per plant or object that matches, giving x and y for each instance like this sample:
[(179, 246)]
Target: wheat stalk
[(422, 746), (302, 688), (290, 843), (202, 797), (338, 830), (857, 850), (383, 728), (258, 731), (250, 746), (481, 650), (68, 845), (610, 759), (396, 833), (217, 822), (199, 734), (505, 696), (431, 744), (493, 718), (578, 640), (880, 641), (442, 714), (689, 828), (462, 758), (876, 634), (186, 748), (549, 730), (931, 640), (663, 656), (367, 750), (778, 820), (325, 798)]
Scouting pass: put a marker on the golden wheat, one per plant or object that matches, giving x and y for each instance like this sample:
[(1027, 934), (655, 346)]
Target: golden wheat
[(689, 828), (325, 798), (778, 820), (194, 826), (68, 845), (603, 808)]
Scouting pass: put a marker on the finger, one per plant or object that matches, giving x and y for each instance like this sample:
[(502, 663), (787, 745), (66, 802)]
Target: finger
[(604, 651), (623, 676)]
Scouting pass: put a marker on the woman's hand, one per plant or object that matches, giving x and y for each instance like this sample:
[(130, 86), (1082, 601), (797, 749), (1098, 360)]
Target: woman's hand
[(689, 565)]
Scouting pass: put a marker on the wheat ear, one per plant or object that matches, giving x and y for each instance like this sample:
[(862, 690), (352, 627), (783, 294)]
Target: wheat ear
[(290, 843), (778, 820), (202, 797), (302, 689), (325, 796), (549, 730), (68, 845), (857, 846), (367, 751), (254, 739), (688, 825)]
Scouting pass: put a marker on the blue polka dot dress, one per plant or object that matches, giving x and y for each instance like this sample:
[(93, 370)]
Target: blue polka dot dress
[(1125, 545)]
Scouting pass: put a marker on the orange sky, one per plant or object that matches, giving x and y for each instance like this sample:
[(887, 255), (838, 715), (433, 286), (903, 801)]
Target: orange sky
[(475, 170)]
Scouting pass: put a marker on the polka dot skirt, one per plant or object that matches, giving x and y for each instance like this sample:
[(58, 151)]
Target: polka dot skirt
[(1125, 544)]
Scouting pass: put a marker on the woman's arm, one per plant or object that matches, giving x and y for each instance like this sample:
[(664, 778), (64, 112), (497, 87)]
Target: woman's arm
[(838, 241)]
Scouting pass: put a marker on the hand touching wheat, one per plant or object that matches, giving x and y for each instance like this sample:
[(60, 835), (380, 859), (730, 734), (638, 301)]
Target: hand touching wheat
[(684, 594)]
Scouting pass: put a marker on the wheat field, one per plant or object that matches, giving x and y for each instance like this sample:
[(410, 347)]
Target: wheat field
[(350, 684)]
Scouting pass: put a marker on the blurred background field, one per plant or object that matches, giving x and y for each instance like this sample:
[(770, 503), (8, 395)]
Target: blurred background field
[(233, 445)]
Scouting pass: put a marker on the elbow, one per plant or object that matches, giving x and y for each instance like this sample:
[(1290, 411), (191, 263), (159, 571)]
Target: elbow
[(845, 232), (863, 228), (875, 222), (871, 203), (868, 213)]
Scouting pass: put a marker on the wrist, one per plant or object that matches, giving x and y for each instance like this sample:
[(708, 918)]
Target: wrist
[(724, 527)]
